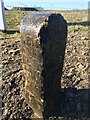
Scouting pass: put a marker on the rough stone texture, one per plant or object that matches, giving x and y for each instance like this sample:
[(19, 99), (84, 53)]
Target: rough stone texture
[(43, 38)]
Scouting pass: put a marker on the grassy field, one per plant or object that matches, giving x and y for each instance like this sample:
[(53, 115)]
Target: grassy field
[(77, 20)]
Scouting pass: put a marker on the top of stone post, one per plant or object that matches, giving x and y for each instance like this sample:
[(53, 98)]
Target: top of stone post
[(32, 23)]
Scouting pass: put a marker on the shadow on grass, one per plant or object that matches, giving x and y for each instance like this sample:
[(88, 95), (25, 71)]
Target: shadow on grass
[(8, 34), (86, 23), (12, 31)]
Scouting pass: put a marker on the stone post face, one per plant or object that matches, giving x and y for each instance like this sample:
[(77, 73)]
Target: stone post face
[(43, 38)]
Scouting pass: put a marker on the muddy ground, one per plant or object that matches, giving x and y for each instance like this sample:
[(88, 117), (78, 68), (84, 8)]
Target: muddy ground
[(73, 103)]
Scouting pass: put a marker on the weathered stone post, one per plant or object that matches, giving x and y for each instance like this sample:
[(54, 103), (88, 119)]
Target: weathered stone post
[(43, 38)]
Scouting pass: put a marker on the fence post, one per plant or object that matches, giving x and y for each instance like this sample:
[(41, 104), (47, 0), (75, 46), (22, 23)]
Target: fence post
[(2, 16), (43, 38)]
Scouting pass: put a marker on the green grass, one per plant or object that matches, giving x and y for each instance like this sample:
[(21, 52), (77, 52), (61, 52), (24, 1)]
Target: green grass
[(77, 28), (14, 17), (3, 71)]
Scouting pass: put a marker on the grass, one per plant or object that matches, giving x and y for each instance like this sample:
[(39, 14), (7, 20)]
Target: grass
[(3, 71), (77, 28), (14, 17)]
